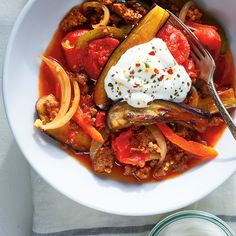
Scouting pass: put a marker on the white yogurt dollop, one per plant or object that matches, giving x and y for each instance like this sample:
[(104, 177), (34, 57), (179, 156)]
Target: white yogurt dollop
[(145, 73)]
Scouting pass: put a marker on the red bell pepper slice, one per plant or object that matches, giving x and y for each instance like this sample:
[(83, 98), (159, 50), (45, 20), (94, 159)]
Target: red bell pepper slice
[(195, 148), (208, 36)]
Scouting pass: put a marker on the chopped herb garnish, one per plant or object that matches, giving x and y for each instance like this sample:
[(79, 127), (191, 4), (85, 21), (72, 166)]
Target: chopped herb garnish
[(111, 85), (152, 76), (147, 65)]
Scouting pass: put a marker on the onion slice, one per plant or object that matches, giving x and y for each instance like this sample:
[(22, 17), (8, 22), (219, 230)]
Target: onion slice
[(184, 11), (160, 141), (65, 85), (60, 122), (104, 21)]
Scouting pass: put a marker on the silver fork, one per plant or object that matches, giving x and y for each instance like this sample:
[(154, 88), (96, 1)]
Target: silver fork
[(206, 65)]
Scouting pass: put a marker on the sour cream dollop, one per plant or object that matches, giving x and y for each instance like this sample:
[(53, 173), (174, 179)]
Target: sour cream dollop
[(145, 73)]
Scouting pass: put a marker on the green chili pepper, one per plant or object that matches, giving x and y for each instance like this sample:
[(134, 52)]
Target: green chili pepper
[(101, 32)]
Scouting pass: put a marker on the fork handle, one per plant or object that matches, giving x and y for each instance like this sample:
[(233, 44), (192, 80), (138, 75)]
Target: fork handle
[(223, 111)]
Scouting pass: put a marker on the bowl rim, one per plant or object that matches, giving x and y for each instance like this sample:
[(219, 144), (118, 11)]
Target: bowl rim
[(190, 214), (84, 202)]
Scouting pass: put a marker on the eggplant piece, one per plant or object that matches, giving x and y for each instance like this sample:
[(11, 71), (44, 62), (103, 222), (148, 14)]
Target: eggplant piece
[(227, 97), (121, 115), (70, 134), (145, 31)]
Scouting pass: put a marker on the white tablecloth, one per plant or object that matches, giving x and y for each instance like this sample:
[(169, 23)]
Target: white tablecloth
[(54, 214)]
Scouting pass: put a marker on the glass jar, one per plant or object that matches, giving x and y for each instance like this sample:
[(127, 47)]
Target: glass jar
[(192, 223)]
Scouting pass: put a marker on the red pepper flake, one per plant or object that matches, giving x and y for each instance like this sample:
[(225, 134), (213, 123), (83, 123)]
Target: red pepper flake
[(129, 91), (152, 53), (131, 72), (156, 71), (136, 85), (170, 71), (162, 77), (137, 65)]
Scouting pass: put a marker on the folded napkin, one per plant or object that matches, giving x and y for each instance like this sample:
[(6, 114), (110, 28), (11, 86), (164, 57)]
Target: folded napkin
[(56, 215)]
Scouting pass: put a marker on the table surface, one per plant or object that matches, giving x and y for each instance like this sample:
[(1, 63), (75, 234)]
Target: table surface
[(15, 196)]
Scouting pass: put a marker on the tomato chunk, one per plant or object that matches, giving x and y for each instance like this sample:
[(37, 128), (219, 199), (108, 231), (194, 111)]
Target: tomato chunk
[(74, 56), (208, 36), (90, 58), (122, 146), (190, 68), (98, 52), (176, 42)]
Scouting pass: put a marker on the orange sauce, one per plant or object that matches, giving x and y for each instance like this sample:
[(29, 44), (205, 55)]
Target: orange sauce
[(47, 86)]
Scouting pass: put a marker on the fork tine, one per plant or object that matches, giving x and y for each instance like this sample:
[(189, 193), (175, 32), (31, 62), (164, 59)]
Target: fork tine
[(195, 58), (196, 51)]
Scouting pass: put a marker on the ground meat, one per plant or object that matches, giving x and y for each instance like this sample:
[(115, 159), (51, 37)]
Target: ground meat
[(145, 143), (184, 131), (170, 5), (126, 13), (82, 80), (104, 160), (143, 173), (140, 9), (94, 16), (153, 163), (48, 109), (73, 19), (176, 161), (194, 15), (129, 170), (139, 173), (115, 19)]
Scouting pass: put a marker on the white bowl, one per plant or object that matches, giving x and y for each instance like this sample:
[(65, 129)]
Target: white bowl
[(30, 37)]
